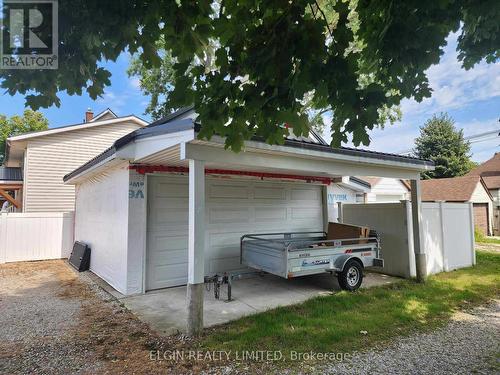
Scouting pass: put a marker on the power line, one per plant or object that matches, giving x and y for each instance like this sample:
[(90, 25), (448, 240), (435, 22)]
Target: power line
[(476, 138)]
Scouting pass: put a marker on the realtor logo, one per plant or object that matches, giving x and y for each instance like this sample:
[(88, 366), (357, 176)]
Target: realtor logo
[(28, 38)]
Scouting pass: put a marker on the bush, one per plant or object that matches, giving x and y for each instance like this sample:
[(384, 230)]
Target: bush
[(478, 235)]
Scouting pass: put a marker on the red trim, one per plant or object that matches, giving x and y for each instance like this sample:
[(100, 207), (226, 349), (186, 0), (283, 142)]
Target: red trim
[(143, 169)]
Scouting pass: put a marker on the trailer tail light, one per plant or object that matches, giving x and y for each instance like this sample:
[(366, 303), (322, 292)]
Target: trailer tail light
[(348, 251)]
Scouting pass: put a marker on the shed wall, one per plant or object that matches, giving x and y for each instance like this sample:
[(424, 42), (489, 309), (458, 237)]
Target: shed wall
[(101, 221)]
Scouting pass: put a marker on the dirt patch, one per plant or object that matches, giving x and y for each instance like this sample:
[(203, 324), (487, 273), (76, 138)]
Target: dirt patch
[(54, 322), (493, 247)]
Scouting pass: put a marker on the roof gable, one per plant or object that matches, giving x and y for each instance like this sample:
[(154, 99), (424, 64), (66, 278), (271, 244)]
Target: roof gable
[(107, 114), (80, 126), (16, 145), (373, 181), (490, 171)]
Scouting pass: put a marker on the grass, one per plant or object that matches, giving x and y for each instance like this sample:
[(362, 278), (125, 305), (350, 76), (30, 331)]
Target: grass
[(333, 323), (481, 238)]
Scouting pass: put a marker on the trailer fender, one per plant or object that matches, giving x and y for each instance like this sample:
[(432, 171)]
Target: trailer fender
[(340, 262)]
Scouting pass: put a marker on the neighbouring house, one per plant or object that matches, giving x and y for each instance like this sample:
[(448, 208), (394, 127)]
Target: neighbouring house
[(41, 159), (386, 190), (463, 189), (365, 190), (162, 208), (345, 190), (490, 172)]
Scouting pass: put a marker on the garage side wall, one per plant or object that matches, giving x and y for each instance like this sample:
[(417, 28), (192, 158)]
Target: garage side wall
[(101, 221)]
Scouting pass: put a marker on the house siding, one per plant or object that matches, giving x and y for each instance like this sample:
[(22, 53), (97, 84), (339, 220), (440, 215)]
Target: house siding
[(391, 189), (50, 157)]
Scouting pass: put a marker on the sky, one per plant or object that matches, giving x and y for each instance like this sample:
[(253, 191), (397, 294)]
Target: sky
[(472, 98)]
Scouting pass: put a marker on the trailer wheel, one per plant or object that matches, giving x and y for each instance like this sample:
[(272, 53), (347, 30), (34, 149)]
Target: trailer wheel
[(352, 275)]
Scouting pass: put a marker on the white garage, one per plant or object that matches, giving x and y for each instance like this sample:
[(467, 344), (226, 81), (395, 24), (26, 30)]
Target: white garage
[(162, 208), (233, 208)]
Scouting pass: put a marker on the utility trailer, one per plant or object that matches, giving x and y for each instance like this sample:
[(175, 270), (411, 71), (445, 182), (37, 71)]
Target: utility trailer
[(295, 254)]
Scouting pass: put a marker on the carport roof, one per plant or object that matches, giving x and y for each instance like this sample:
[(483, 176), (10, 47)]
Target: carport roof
[(174, 125)]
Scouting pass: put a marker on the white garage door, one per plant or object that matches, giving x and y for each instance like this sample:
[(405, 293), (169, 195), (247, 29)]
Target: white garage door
[(233, 208)]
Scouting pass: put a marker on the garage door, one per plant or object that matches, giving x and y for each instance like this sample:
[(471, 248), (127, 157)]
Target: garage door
[(481, 217), (233, 208)]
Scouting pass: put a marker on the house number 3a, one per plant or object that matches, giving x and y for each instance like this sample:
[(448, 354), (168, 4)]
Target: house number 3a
[(135, 191), (135, 194)]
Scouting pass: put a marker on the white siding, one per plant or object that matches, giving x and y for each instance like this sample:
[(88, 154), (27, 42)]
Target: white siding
[(50, 157), (101, 221), (480, 195), (387, 190)]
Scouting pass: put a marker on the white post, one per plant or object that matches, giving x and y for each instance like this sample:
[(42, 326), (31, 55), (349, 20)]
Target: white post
[(473, 240), (196, 247), (416, 208), (326, 218), (444, 255)]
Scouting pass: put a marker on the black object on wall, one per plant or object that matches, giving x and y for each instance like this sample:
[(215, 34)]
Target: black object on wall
[(80, 256)]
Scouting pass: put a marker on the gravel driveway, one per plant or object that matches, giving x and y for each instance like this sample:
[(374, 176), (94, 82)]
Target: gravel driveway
[(55, 321), (470, 344)]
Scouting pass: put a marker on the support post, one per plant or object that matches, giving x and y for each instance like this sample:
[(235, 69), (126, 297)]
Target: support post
[(9, 198), (416, 209), (196, 247)]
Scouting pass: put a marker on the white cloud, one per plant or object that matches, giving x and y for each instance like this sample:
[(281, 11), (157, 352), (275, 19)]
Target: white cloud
[(114, 101), (135, 82), (483, 148), (454, 87)]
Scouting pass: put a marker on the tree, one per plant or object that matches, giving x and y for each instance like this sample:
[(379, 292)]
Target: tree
[(356, 57), (158, 83), (442, 143), (30, 121)]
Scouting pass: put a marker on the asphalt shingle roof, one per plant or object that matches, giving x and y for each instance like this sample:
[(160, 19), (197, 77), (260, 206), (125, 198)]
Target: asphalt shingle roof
[(457, 189), (489, 171)]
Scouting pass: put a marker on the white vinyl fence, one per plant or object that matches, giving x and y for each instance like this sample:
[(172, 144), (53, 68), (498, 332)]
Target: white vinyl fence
[(35, 236), (447, 234)]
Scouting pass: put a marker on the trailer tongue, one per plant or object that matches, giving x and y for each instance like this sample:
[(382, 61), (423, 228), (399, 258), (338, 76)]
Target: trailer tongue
[(295, 254)]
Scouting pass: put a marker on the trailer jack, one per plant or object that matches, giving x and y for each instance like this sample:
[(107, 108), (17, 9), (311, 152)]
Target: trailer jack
[(216, 281)]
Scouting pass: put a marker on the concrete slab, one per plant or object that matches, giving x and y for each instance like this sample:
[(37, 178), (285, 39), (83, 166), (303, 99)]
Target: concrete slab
[(165, 310)]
